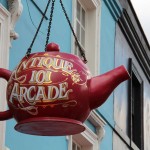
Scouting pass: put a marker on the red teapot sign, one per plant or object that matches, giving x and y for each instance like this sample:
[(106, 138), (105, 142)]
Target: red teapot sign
[(52, 93), (44, 80)]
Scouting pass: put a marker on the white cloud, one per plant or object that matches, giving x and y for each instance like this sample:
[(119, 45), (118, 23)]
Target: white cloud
[(142, 9)]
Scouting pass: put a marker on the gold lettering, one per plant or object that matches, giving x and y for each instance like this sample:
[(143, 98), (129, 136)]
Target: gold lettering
[(35, 94), (53, 92), (14, 92), (40, 61), (48, 77), (33, 77), (58, 63), (33, 64), (23, 65), (63, 94), (68, 67), (40, 94), (30, 91), (40, 77), (48, 62), (23, 92)]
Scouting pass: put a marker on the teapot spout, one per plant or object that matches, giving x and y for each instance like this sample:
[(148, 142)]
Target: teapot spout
[(100, 87)]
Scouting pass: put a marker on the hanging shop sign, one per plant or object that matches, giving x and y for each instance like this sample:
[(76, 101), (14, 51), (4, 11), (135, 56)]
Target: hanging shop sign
[(52, 93)]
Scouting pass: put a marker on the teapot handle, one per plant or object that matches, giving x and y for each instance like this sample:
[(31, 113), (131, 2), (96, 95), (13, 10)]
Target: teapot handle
[(5, 115)]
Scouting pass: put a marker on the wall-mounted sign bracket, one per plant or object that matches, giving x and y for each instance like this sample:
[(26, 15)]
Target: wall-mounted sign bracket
[(39, 9)]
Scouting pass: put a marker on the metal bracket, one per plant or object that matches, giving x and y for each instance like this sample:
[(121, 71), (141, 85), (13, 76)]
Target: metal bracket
[(39, 9)]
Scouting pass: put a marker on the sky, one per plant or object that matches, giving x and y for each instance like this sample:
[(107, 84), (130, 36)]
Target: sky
[(142, 9)]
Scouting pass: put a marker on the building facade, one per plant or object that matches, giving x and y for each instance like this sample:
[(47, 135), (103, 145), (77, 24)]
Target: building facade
[(110, 34)]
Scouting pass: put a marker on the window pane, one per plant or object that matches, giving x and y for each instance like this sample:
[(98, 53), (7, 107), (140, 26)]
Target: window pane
[(83, 17), (78, 10), (82, 37), (78, 148), (76, 50), (73, 146), (78, 30), (136, 119), (80, 27)]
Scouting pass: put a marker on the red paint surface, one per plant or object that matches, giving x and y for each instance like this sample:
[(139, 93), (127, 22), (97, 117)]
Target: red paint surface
[(50, 90)]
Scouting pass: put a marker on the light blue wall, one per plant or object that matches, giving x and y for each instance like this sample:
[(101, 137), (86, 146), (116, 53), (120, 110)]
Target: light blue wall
[(19, 141), (107, 42), (106, 143), (107, 45), (61, 34), (3, 2), (90, 125)]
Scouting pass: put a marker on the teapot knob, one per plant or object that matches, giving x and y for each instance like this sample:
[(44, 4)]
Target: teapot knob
[(52, 47)]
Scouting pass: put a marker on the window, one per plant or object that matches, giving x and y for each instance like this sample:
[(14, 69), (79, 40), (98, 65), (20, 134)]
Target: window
[(4, 54), (88, 140), (80, 26), (86, 21), (136, 109), (75, 146)]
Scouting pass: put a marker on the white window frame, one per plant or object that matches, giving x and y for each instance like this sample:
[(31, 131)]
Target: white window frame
[(77, 145), (82, 26), (92, 36), (89, 140), (4, 59), (5, 148)]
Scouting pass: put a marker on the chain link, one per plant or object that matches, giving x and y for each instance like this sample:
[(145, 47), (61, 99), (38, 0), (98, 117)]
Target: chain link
[(76, 39), (49, 29), (37, 31), (50, 23)]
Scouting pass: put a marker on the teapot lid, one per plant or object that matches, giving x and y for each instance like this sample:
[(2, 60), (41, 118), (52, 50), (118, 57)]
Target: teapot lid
[(52, 47), (55, 48)]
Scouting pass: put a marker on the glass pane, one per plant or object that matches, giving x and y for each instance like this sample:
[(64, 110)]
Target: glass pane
[(83, 17), (77, 52), (78, 10), (76, 49), (78, 148), (73, 146), (78, 30), (82, 37)]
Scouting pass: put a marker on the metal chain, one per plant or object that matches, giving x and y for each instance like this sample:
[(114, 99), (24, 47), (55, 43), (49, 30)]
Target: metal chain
[(37, 31), (76, 39), (50, 23), (49, 29)]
